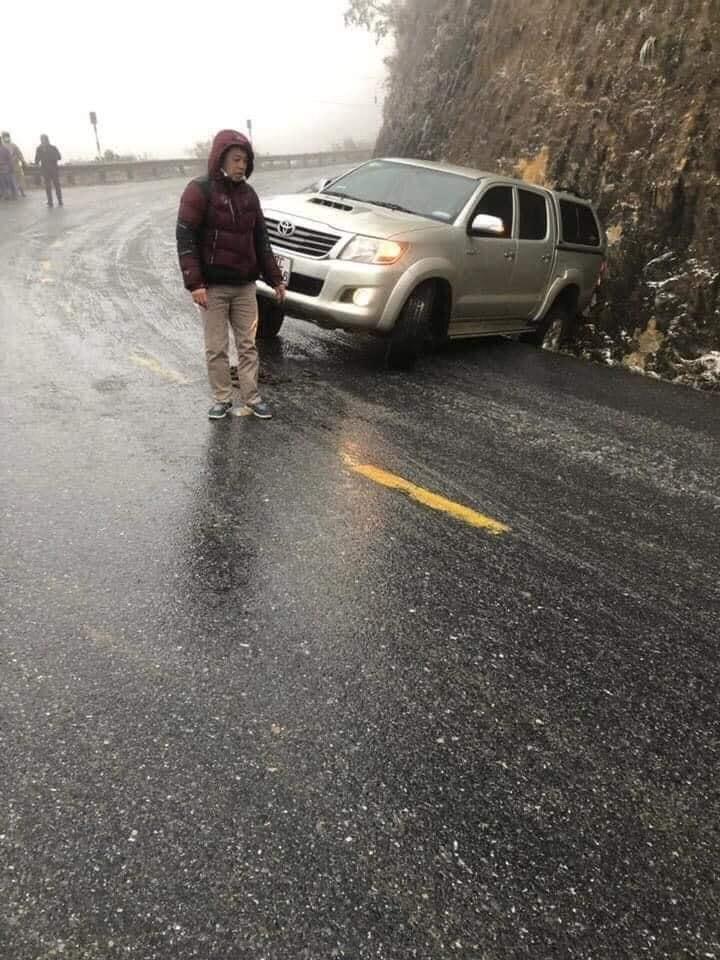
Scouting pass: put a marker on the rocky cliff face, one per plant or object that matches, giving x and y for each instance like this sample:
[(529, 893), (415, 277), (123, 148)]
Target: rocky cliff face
[(620, 100)]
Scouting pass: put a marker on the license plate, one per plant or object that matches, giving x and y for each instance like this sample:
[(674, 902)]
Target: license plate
[(285, 265)]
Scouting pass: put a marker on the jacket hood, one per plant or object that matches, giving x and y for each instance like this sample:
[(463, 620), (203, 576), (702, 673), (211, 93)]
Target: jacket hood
[(222, 142)]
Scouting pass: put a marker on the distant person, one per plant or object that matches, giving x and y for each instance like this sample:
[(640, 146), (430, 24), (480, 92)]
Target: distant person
[(223, 248), (18, 162), (48, 157), (8, 190)]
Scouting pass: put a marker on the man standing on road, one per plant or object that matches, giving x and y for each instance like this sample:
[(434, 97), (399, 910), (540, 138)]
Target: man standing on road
[(223, 248), (18, 162), (8, 190), (49, 157)]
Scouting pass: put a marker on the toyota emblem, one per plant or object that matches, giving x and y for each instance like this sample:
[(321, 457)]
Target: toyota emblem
[(286, 228)]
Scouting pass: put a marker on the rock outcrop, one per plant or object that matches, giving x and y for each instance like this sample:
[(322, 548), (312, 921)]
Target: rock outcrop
[(619, 100)]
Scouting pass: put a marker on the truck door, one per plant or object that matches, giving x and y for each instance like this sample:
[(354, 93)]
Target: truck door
[(486, 286), (536, 244)]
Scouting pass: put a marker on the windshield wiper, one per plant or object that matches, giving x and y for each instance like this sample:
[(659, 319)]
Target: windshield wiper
[(376, 203), (393, 206)]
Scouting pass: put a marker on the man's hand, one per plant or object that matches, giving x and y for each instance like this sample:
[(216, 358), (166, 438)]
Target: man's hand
[(280, 292), (200, 297)]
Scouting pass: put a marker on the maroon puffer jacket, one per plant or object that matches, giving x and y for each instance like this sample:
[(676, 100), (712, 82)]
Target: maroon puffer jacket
[(221, 232)]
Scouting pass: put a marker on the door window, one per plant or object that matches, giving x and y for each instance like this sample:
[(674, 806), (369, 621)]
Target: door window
[(533, 216), (498, 202)]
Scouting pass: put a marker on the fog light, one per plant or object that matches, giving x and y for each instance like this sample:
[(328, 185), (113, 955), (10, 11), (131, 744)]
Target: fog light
[(362, 297)]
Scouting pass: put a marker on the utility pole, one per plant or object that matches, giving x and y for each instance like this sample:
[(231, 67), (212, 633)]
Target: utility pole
[(249, 128), (93, 121)]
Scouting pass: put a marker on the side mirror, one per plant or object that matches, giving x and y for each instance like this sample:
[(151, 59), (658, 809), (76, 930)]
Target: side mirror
[(485, 224), (317, 186)]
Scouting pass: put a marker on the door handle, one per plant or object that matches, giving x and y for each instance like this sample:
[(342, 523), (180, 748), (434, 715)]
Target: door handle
[(509, 255), (547, 258)]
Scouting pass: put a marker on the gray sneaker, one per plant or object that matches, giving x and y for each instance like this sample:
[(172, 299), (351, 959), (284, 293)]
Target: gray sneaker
[(219, 410), (260, 409)]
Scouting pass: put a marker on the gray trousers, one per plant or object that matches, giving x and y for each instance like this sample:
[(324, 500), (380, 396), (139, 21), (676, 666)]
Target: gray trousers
[(232, 308)]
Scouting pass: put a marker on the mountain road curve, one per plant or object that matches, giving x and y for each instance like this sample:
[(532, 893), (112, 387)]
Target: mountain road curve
[(425, 667)]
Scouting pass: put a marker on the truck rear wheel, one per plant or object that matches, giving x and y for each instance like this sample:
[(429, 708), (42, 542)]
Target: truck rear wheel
[(552, 330), (412, 328), (270, 319)]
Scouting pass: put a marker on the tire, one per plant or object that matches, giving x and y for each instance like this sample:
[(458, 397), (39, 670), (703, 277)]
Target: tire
[(412, 328), (270, 319), (552, 331)]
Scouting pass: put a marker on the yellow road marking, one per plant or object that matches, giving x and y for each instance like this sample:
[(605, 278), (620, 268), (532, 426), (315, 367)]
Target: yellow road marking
[(426, 497), (157, 368)]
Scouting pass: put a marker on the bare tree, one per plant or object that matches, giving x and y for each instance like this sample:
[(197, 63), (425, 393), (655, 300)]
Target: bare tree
[(201, 148), (378, 16)]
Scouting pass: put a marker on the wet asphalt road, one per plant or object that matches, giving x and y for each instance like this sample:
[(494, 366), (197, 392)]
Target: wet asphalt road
[(255, 705)]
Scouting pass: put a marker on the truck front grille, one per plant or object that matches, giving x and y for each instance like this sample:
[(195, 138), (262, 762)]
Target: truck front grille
[(308, 243)]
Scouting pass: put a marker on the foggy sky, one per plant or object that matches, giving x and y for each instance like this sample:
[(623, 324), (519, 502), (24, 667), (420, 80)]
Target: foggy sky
[(162, 75)]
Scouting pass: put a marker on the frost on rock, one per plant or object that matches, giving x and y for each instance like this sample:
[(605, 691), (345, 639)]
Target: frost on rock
[(703, 372)]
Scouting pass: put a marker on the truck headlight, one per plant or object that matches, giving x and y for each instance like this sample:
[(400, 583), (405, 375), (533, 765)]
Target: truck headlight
[(372, 250)]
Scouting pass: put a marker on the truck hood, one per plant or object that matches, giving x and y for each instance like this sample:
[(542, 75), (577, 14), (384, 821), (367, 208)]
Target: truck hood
[(349, 216)]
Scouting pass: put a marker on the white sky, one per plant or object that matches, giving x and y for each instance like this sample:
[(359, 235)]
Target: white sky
[(161, 74)]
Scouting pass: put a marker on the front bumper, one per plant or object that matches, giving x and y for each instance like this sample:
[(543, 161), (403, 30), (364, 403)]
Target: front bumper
[(336, 281)]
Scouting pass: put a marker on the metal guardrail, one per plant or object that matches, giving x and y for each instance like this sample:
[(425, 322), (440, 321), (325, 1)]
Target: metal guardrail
[(122, 171)]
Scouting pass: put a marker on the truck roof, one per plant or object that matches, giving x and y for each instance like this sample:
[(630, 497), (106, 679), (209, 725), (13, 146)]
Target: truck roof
[(475, 174), (470, 172)]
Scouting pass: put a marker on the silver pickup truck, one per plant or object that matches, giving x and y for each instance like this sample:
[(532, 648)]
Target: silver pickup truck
[(416, 251)]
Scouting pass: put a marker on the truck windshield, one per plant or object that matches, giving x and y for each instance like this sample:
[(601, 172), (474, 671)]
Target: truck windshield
[(402, 186)]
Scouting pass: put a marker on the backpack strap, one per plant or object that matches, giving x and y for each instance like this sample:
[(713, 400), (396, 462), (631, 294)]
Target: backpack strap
[(204, 184)]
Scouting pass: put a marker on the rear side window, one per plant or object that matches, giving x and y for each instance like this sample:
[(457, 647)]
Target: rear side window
[(579, 224), (533, 215), (498, 202)]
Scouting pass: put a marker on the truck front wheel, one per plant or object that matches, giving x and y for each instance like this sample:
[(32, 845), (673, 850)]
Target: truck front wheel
[(412, 328), (270, 319)]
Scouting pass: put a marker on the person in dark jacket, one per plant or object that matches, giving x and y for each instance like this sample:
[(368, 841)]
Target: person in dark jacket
[(48, 157), (223, 248)]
